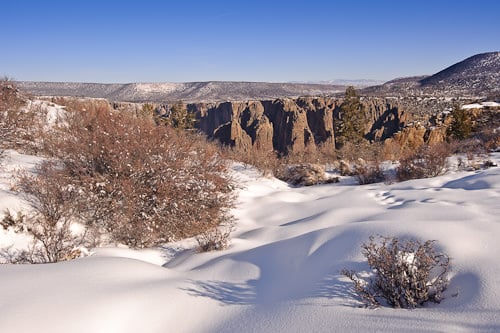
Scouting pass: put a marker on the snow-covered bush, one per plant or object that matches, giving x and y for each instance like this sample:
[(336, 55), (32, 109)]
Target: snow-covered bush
[(140, 183), (427, 161), (307, 174), (50, 219), (369, 173), (215, 239), (406, 274)]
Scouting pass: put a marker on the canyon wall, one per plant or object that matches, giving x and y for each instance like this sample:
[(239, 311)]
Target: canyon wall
[(291, 125)]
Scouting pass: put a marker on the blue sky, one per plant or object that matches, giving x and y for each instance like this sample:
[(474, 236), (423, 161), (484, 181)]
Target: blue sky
[(187, 40)]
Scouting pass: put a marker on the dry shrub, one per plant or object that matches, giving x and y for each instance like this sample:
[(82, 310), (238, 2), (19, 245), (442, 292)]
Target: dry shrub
[(307, 174), (76, 104), (407, 274), (363, 162), (14, 122), (490, 139), (391, 150), (271, 163), (22, 122), (215, 239), (366, 151), (267, 161), (369, 173), (50, 220), (140, 183), (427, 161)]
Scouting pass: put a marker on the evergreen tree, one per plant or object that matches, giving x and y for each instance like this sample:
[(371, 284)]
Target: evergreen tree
[(461, 125), (352, 119), (147, 111), (180, 117)]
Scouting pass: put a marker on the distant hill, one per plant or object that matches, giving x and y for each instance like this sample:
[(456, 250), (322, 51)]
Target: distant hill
[(478, 75), (213, 91)]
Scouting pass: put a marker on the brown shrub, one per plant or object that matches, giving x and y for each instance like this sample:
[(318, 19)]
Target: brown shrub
[(15, 123), (307, 174), (141, 183), (49, 222), (369, 173), (407, 273), (425, 162)]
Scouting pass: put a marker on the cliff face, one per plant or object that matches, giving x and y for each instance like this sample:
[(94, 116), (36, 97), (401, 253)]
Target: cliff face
[(292, 125), (285, 125)]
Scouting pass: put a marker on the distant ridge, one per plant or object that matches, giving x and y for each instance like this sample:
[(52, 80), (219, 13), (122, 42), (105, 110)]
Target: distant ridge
[(212, 91)]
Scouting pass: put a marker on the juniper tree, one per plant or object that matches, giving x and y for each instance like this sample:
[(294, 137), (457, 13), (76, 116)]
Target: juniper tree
[(461, 124), (180, 117), (352, 119)]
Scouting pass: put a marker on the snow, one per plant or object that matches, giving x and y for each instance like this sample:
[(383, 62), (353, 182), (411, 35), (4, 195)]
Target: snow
[(481, 105), (472, 106), (158, 87), (281, 273), (491, 104)]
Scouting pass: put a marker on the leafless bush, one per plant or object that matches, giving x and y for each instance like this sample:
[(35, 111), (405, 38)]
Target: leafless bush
[(307, 174), (407, 274), (20, 123), (427, 161), (50, 220), (271, 163), (267, 161), (12, 119), (215, 239), (141, 183), (369, 173)]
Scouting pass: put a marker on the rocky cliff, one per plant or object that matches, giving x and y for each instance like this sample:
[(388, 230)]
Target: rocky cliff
[(294, 125)]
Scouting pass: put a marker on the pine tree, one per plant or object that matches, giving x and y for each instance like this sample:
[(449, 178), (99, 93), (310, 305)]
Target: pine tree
[(461, 125), (352, 120)]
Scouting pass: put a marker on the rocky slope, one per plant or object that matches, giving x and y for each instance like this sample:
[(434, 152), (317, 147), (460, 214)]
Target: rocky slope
[(479, 75), (476, 76)]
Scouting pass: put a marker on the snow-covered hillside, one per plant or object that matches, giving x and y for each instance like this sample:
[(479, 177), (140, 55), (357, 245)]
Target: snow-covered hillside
[(282, 271)]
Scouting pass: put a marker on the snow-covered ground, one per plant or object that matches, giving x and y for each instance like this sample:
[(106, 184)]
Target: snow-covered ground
[(282, 271)]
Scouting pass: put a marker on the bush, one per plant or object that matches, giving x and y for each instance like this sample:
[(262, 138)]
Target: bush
[(368, 173), (215, 239), (407, 273), (427, 161), (50, 220), (307, 174), (11, 118), (21, 121), (141, 183)]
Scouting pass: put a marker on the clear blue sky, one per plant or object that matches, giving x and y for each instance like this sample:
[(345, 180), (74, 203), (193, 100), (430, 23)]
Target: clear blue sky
[(240, 40)]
